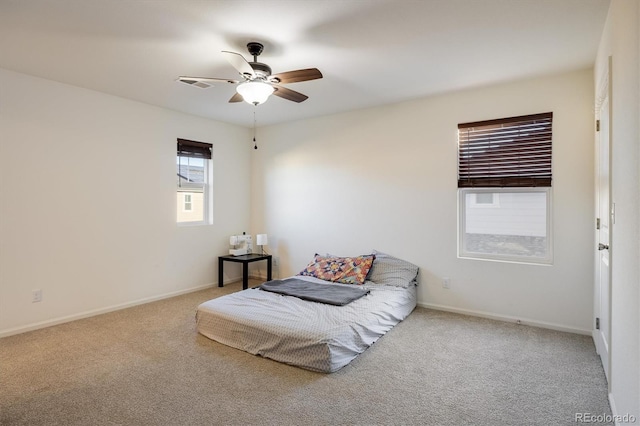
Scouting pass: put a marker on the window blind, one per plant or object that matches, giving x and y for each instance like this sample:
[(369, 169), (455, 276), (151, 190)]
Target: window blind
[(187, 148), (507, 152)]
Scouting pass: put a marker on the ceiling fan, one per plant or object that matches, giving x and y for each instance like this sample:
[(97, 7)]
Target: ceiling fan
[(258, 83)]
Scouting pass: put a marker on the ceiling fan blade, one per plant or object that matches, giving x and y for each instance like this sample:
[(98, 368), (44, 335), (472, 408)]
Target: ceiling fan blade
[(240, 63), (206, 79), (297, 76), (289, 94), (237, 97)]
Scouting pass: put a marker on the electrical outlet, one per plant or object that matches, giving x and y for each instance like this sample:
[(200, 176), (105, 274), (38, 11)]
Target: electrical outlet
[(446, 282), (276, 261), (36, 296)]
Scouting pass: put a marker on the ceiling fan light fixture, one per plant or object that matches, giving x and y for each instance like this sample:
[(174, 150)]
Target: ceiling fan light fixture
[(255, 92)]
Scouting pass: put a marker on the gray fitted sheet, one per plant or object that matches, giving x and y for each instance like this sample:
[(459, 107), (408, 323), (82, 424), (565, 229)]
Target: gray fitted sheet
[(310, 335)]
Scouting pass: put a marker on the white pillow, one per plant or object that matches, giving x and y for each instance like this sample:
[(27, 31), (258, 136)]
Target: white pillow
[(389, 270)]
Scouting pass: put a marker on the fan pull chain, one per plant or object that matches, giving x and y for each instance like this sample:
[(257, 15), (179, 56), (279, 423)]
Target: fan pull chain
[(255, 145)]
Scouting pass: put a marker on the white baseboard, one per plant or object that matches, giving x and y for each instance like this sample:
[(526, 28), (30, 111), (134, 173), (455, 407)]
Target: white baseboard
[(86, 314), (99, 311), (614, 411), (506, 318), (259, 277)]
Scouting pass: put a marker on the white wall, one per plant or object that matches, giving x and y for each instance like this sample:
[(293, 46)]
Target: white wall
[(621, 41), (88, 211), (385, 179)]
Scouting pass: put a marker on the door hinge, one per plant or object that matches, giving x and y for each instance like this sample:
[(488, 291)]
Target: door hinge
[(597, 323), (597, 125), (598, 223)]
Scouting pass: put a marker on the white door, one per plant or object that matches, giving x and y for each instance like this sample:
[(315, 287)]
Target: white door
[(602, 332)]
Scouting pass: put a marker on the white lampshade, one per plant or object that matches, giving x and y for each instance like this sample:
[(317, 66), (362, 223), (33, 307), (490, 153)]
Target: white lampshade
[(262, 240), (255, 92)]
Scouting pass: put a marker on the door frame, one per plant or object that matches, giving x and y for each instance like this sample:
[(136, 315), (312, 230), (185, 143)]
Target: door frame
[(603, 94)]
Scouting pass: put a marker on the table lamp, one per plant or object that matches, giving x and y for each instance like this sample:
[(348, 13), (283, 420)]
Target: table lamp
[(261, 240)]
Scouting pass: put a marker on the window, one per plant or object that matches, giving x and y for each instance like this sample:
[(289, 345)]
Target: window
[(194, 198), (504, 185), (188, 205), (485, 200)]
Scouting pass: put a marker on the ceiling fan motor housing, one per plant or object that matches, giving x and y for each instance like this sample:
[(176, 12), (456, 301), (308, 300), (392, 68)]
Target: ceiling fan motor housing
[(261, 70), (255, 49)]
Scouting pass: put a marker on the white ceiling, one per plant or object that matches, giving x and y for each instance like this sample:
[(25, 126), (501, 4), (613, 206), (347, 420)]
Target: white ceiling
[(371, 52)]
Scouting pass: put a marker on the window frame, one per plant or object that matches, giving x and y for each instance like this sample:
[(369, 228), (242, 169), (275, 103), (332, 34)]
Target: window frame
[(485, 173), (201, 150)]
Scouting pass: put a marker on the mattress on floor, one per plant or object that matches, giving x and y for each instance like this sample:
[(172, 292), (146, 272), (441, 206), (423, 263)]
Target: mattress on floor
[(306, 334)]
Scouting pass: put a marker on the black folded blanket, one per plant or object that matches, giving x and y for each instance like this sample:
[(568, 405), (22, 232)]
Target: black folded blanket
[(331, 294)]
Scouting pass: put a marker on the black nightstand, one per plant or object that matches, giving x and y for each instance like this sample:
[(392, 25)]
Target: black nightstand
[(245, 259)]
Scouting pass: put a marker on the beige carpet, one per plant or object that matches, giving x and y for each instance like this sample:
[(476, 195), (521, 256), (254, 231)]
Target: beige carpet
[(147, 365)]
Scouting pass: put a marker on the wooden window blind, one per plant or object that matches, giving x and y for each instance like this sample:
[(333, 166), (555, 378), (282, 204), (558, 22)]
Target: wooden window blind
[(187, 148), (507, 152)]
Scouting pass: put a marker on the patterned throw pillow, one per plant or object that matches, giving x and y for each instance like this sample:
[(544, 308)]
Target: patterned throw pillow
[(346, 270)]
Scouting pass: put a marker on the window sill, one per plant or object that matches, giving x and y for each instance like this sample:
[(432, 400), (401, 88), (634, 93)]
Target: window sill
[(534, 262), (192, 224)]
